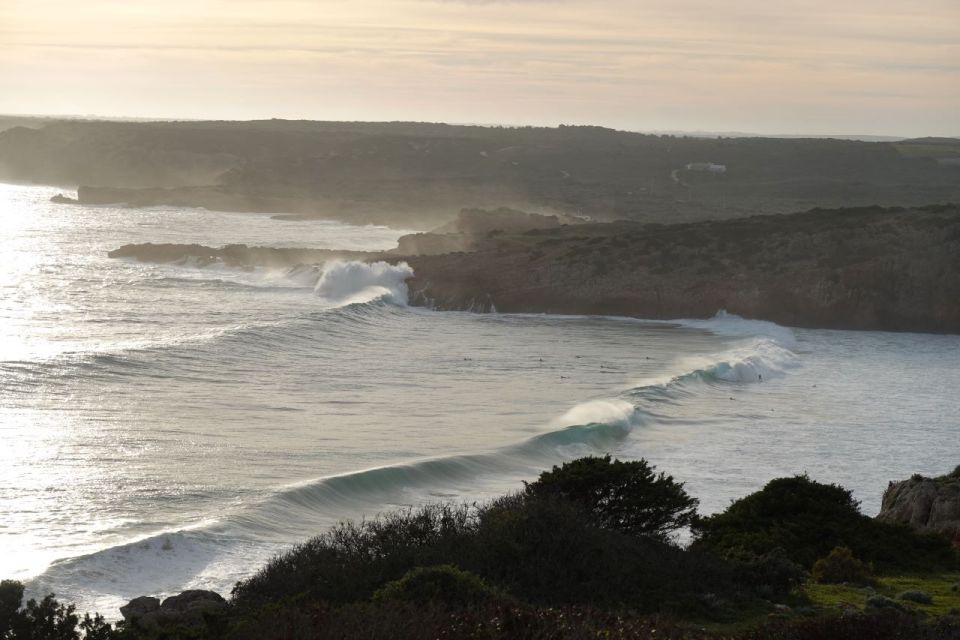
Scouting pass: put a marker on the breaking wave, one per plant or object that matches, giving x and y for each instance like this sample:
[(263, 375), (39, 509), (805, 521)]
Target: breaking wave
[(352, 282), (217, 553)]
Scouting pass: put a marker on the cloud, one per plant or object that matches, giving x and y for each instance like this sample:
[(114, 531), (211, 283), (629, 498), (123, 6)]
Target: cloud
[(787, 66)]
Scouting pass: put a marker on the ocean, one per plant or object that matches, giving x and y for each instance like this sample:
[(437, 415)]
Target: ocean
[(173, 426)]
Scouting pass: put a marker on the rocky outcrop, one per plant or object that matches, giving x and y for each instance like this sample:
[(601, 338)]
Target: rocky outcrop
[(503, 220), (926, 504), (186, 609), (233, 255), (871, 269)]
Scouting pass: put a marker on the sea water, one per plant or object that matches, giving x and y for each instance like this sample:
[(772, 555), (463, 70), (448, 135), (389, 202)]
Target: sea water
[(173, 426)]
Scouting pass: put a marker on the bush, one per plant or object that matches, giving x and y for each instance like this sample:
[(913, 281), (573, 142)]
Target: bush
[(545, 551), (772, 575), (442, 584), (627, 496), (883, 602), (840, 566), (919, 597), (352, 560), (808, 519), (11, 595), (47, 619), (550, 551)]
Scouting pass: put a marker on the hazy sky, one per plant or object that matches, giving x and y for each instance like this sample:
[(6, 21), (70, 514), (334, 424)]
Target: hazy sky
[(771, 66)]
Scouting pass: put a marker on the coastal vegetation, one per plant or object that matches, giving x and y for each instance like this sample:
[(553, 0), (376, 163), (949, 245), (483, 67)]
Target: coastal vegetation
[(410, 175), (585, 551)]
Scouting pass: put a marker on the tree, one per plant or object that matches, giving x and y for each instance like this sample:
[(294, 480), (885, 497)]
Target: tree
[(628, 496)]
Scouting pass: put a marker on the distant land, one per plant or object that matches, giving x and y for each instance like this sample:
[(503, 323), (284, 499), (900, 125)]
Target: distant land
[(413, 175)]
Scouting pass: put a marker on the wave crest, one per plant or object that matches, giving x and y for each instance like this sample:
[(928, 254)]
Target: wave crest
[(354, 282)]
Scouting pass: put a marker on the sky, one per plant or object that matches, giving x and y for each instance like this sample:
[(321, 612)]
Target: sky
[(776, 66)]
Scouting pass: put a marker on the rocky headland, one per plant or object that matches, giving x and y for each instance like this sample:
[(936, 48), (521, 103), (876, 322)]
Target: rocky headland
[(868, 268), (926, 504)]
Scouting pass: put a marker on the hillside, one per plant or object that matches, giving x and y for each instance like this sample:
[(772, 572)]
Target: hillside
[(415, 173)]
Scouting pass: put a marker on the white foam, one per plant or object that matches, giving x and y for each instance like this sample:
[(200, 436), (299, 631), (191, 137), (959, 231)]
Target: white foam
[(612, 411), (728, 324), (352, 282)]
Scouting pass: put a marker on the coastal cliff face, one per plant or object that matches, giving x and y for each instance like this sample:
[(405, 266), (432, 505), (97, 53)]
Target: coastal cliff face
[(926, 504), (877, 269)]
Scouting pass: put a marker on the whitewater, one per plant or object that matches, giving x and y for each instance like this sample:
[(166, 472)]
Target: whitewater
[(173, 426)]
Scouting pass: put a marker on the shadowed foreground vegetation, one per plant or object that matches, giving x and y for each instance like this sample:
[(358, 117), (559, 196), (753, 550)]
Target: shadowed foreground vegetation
[(584, 552)]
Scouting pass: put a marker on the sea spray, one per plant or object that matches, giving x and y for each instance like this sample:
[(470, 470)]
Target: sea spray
[(352, 282)]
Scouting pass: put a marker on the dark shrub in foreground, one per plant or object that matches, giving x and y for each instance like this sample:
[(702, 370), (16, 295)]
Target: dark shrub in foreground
[(627, 496), (840, 566), (352, 560), (406, 621), (46, 619), (544, 551), (808, 519), (440, 585), (920, 597)]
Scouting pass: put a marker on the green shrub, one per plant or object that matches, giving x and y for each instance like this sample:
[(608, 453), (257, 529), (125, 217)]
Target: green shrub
[(883, 602), (442, 584), (627, 496), (841, 566), (772, 575), (46, 619), (807, 519), (920, 597)]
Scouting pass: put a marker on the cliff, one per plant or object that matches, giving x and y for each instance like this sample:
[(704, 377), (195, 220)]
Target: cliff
[(872, 268), (926, 504)]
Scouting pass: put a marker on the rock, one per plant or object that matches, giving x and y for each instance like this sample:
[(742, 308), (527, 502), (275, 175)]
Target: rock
[(926, 504), (189, 606), (62, 199), (142, 609), (185, 609)]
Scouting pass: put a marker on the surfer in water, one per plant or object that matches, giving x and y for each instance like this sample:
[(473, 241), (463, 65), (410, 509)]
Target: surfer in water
[(760, 377)]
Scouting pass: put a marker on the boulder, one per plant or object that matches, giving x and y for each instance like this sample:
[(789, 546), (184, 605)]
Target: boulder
[(926, 504), (143, 609), (185, 609), (189, 606)]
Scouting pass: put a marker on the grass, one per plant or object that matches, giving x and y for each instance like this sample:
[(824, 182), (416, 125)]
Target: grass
[(938, 586)]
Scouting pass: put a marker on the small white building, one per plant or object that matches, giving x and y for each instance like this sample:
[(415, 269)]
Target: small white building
[(710, 167)]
